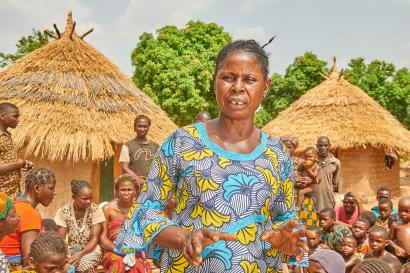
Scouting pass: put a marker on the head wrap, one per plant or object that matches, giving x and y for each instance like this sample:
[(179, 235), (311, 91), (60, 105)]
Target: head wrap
[(330, 260), (291, 139), (5, 205)]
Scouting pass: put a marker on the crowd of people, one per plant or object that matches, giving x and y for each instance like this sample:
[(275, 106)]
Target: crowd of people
[(219, 195)]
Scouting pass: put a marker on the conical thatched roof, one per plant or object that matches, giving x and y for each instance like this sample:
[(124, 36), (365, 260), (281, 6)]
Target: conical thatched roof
[(343, 112), (74, 102)]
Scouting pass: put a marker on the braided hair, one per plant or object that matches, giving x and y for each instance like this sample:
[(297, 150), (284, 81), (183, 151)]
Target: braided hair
[(373, 265), (79, 185), (46, 244), (250, 46), (38, 176)]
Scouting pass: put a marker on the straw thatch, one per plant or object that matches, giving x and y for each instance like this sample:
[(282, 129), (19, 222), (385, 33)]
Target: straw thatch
[(74, 102), (343, 112)]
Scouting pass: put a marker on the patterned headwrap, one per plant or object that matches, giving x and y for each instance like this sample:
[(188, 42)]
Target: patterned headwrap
[(5, 204), (291, 139)]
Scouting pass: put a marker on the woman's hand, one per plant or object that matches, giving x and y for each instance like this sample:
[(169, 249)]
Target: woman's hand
[(194, 242), (75, 260), (288, 241)]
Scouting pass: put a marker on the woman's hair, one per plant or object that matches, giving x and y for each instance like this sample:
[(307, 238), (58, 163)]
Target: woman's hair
[(373, 265), (250, 46), (125, 178), (79, 185), (46, 244), (38, 176)]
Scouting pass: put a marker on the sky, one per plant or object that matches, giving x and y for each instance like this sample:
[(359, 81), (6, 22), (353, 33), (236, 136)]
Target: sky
[(373, 29)]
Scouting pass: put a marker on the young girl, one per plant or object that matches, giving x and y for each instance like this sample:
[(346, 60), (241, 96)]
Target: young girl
[(48, 253), (115, 212), (39, 189), (81, 221)]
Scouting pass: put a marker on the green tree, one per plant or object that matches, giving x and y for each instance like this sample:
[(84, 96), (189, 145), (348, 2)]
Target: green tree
[(176, 68), (25, 45), (302, 75), (388, 86)]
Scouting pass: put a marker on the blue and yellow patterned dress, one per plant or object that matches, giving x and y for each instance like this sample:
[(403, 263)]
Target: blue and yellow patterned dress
[(244, 194)]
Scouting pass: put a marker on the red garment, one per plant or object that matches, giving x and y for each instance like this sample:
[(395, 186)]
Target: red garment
[(342, 216), (30, 219), (112, 262)]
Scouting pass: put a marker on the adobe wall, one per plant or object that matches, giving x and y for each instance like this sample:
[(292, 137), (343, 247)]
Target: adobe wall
[(364, 171)]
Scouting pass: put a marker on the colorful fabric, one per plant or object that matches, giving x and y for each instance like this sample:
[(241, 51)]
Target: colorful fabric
[(214, 189), (79, 232), (307, 213), (139, 155), (4, 265), (342, 216), (363, 249), (9, 182), (113, 262), (328, 178), (333, 238), (5, 205), (30, 219)]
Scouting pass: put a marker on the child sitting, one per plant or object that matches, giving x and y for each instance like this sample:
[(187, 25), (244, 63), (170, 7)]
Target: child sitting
[(313, 240), (383, 193), (378, 240), (399, 237), (385, 209), (332, 233), (307, 168), (48, 253), (348, 251), (359, 230)]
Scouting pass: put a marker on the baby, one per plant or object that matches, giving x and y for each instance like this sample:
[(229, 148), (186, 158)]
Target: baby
[(307, 168)]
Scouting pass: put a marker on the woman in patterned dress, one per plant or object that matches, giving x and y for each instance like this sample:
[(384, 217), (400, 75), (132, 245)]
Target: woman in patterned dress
[(81, 221), (233, 184)]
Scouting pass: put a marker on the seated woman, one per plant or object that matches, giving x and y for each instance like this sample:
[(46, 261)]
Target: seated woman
[(81, 221), (115, 212), (39, 189), (9, 222)]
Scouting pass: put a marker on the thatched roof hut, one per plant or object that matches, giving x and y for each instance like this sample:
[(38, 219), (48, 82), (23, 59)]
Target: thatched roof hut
[(76, 107), (361, 131)]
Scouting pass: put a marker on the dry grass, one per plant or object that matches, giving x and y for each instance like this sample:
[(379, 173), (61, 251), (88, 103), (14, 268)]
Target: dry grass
[(74, 102), (343, 112)]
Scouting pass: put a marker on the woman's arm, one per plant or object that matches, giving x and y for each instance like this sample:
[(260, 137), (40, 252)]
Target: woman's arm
[(62, 231), (27, 237), (92, 243), (106, 243)]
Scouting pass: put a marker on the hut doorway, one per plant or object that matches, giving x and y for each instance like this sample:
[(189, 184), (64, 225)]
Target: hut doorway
[(106, 180)]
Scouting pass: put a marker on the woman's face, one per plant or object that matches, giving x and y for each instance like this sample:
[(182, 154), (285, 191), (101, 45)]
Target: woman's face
[(126, 191), (290, 147), (46, 193), (83, 198), (240, 85)]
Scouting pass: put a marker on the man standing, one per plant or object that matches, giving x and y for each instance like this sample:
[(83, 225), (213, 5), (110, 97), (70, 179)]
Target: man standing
[(328, 175), (137, 154)]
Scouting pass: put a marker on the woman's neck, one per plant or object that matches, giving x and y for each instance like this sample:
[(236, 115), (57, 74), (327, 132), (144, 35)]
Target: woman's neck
[(31, 200), (124, 204), (234, 130), (78, 209)]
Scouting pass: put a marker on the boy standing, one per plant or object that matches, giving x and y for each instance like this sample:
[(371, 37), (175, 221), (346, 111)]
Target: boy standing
[(399, 237), (10, 165)]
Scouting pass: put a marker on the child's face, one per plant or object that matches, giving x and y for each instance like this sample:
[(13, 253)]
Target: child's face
[(326, 221), (383, 195), (404, 211), (359, 229), (347, 247), (315, 267), (55, 263), (290, 147), (377, 242), (385, 211), (313, 240), (310, 155)]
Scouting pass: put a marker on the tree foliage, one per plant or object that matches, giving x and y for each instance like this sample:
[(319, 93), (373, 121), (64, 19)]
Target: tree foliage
[(176, 68), (24, 46), (302, 75)]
